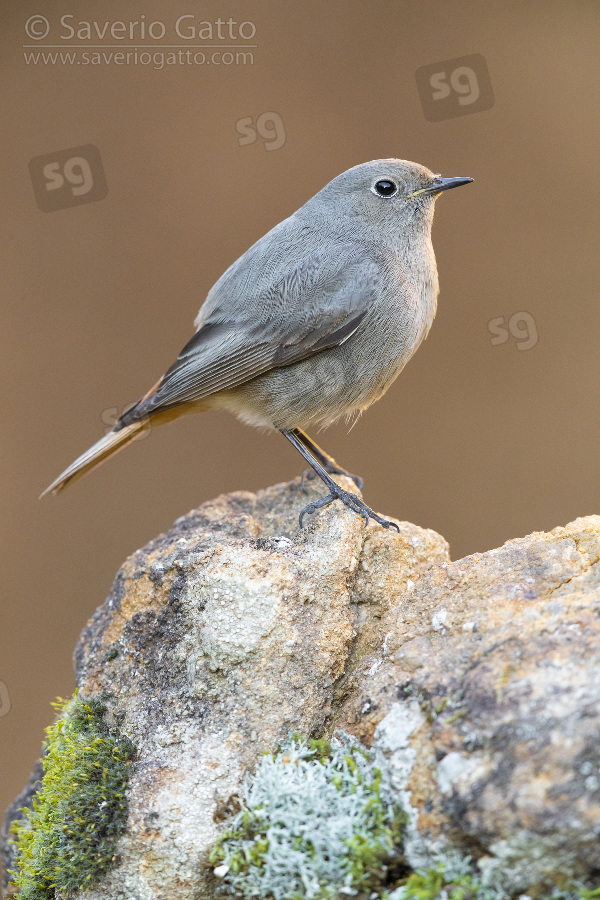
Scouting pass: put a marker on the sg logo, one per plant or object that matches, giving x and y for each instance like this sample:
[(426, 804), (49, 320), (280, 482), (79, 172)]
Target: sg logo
[(455, 87), (110, 417), (521, 326), (68, 178), (269, 126)]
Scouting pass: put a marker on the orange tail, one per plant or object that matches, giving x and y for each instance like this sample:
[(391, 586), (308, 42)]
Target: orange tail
[(103, 449)]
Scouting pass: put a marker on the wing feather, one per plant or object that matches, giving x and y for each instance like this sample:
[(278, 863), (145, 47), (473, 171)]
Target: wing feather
[(319, 304)]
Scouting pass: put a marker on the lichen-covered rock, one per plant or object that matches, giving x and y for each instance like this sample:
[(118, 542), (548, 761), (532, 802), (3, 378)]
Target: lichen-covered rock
[(484, 698), (316, 819), (218, 640), (476, 684)]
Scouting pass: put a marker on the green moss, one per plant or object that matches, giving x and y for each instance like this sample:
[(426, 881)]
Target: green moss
[(459, 714), (429, 884), (575, 891), (316, 821), (69, 837), (455, 877), (320, 748)]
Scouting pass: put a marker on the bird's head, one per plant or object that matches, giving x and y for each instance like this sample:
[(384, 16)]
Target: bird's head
[(384, 194)]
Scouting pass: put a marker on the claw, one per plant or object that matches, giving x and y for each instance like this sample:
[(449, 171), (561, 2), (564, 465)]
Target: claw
[(322, 466), (349, 500), (314, 506)]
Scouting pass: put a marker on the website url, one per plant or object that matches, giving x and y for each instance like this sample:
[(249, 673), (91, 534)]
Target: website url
[(156, 59)]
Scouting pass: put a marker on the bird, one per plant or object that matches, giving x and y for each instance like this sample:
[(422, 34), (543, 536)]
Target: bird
[(311, 324)]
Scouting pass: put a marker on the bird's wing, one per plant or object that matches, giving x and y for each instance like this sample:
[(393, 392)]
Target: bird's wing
[(318, 304)]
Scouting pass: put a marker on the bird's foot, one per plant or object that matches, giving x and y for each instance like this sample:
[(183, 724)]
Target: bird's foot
[(349, 500), (332, 469)]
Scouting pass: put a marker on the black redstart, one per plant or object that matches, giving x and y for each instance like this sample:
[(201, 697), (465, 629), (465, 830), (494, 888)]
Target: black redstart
[(313, 323)]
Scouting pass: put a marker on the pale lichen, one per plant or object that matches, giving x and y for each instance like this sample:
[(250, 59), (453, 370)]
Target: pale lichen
[(316, 821), (455, 876)]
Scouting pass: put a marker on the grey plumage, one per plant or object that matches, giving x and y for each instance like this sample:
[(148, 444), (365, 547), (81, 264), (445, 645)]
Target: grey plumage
[(315, 320)]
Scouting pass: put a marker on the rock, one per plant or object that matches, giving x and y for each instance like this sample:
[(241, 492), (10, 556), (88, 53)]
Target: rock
[(484, 699), (216, 641), (475, 682)]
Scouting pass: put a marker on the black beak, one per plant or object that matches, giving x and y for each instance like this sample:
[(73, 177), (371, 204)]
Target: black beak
[(440, 184)]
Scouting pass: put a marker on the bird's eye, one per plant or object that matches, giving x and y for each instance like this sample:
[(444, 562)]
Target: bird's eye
[(385, 188)]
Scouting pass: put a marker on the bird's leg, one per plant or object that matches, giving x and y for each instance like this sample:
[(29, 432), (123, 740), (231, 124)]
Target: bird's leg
[(335, 491), (327, 461)]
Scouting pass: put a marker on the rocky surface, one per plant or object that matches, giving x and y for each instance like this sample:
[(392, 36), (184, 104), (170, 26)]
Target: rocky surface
[(477, 682), (485, 699)]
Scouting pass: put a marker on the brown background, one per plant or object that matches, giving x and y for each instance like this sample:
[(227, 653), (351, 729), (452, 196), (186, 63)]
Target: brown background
[(480, 442)]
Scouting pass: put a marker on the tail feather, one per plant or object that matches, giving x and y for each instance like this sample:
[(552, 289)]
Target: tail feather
[(110, 444)]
